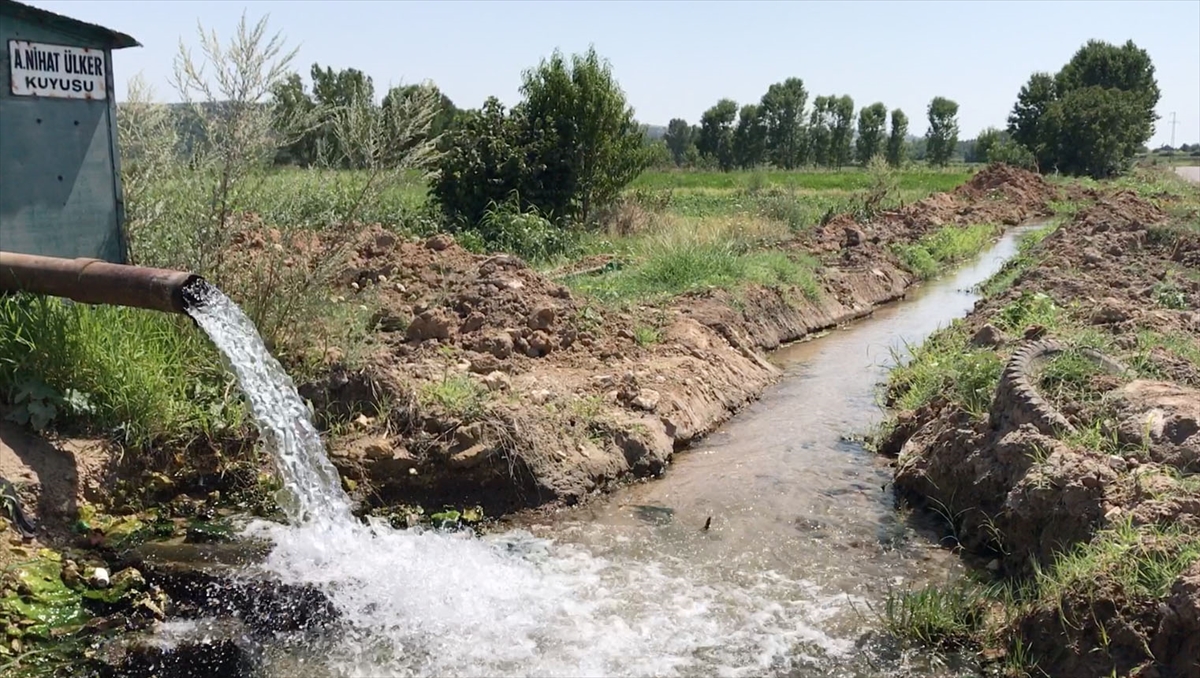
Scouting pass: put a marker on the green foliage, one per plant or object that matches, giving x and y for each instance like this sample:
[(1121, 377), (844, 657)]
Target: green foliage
[(1093, 116), (946, 365), (592, 142), (930, 255), (942, 136), (506, 228), (782, 108), (872, 125), (458, 395), (680, 137), (684, 259), (141, 376), (841, 132), (567, 149), (750, 137), (986, 144), (896, 144), (944, 617), (820, 130), (715, 139)]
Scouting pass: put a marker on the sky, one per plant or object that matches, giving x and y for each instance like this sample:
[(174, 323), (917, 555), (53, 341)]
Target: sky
[(675, 59)]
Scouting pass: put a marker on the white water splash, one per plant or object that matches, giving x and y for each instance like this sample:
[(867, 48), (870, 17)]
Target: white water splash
[(311, 484), (429, 604)]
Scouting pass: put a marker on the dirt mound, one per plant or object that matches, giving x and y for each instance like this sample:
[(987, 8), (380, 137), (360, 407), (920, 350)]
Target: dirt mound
[(1045, 470)]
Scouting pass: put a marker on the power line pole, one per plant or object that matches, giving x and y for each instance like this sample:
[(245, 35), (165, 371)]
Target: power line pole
[(1173, 123)]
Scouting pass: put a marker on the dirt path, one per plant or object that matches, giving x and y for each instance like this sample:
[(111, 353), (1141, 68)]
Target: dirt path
[(1191, 173)]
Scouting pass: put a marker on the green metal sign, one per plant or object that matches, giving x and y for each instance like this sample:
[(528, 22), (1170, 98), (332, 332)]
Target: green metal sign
[(60, 183)]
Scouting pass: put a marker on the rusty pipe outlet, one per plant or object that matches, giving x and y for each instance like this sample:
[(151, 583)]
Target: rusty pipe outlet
[(91, 281)]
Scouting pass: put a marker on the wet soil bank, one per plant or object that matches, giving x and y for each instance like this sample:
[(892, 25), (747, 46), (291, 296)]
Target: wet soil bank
[(1061, 438), (495, 385)]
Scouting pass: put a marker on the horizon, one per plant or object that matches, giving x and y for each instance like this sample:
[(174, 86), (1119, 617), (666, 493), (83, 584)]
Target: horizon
[(470, 53)]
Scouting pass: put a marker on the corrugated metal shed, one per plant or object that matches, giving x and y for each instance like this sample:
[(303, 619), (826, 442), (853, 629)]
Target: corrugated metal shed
[(60, 183)]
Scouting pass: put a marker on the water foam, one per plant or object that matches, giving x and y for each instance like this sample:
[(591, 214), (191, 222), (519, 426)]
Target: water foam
[(430, 603)]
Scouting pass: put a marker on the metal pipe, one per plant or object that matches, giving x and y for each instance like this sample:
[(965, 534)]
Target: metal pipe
[(92, 281)]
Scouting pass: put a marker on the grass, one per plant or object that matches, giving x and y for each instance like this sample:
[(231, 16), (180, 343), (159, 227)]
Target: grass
[(458, 395), (143, 376), (684, 255), (946, 365), (942, 617), (847, 179), (934, 253), (1141, 562), (1025, 259)]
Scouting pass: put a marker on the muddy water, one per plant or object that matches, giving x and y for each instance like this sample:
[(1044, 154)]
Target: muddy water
[(801, 547), (785, 489)]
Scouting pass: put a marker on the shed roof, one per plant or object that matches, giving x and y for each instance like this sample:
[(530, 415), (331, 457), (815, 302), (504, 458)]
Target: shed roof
[(110, 38)]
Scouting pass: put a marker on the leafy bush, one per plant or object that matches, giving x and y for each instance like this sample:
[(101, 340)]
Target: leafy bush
[(567, 149)]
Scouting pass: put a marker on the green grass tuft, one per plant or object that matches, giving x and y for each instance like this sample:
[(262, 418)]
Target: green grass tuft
[(934, 253), (142, 376)]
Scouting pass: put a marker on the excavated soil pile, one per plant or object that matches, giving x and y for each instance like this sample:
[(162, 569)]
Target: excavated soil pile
[(493, 384), (1124, 278)]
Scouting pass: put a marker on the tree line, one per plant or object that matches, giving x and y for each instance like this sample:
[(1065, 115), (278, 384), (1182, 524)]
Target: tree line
[(782, 131), (569, 146)]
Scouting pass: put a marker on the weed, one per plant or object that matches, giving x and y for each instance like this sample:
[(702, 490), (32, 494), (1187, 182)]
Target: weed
[(949, 245), (1028, 309), (946, 365), (646, 336), (142, 376), (458, 395), (1025, 259), (935, 616)]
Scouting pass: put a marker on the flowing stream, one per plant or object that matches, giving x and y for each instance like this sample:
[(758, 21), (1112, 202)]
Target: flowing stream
[(787, 581)]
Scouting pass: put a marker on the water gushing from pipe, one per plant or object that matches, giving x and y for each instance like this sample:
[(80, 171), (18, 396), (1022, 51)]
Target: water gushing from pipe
[(312, 492)]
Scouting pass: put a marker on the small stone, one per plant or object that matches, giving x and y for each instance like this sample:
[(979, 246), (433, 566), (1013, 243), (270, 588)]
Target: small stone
[(853, 236), (384, 240), (994, 565), (514, 284), (1109, 312), (412, 471), (604, 380), (99, 578), (469, 457), (1117, 464), (625, 334), (439, 242), (363, 421), (1091, 256), (400, 288), (129, 577), (540, 396), (381, 279), (499, 345), (354, 286), (539, 345), (542, 318), (497, 381), (988, 336), (473, 322), (647, 400), (431, 324)]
